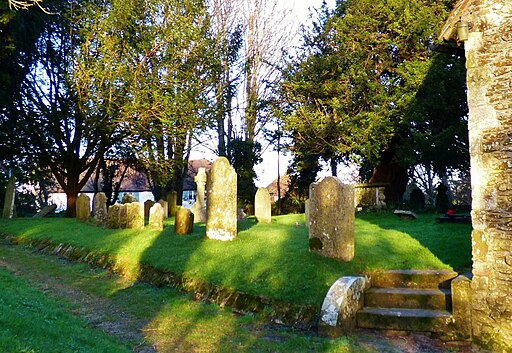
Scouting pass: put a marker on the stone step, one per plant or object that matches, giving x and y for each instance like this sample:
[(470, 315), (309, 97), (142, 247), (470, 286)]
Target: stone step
[(435, 299), (417, 279), (419, 320)]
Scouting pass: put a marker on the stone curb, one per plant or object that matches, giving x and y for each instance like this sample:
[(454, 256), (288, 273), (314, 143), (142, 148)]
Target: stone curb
[(302, 317)]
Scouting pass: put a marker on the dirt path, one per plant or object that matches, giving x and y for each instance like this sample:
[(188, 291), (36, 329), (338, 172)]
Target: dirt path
[(103, 313), (99, 312)]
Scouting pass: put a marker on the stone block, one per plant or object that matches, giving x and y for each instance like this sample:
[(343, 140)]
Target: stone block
[(100, 209), (461, 306), (45, 211), (112, 221), (134, 215)]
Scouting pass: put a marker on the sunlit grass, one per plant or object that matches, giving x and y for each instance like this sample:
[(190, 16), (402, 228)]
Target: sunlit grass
[(31, 322), (270, 260)]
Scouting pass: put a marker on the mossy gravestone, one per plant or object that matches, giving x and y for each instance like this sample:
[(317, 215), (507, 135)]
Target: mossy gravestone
[(262, 207), (165, 207), (147, 207), (156, 217), (83, 207), (184, 221), (134, 215), (100, 209), (331, 219), (221, 208)]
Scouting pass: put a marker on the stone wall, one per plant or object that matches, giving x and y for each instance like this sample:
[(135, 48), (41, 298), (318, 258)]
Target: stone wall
[(489, 79)]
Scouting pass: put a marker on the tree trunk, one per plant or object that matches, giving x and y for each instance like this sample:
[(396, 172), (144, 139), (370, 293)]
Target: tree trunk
[(71, 204)]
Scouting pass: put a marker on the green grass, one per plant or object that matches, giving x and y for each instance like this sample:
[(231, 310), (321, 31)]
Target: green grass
[(172, 321), (270, 260), (31, 322)]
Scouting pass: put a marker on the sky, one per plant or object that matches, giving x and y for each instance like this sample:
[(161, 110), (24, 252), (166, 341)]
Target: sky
[(267, 170)]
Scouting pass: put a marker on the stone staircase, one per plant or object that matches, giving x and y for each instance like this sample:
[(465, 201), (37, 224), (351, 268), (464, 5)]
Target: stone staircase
[(409, 300)]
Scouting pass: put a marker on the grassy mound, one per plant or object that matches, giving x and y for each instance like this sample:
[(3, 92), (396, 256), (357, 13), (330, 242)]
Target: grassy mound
[(270, 260)]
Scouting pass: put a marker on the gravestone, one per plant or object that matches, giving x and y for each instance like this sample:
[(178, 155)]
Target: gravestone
[(156, 217), (405, 215), (262, 206), (221, 208), (184, 221), (198, 209), (165, 207), (83, 207), (113, 216), (147, 207), (123, 216), (172, 198), (331, 219), (134, 215), (306, 212), (128, 198), (45, 211), (100, 209), (10, 191)]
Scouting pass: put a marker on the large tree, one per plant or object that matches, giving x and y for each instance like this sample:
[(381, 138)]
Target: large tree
[(360, 69)]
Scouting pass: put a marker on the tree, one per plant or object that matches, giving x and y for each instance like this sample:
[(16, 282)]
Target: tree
[(360, 70)]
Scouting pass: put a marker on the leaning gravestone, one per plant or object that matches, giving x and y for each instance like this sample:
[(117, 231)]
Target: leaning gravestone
[(10, 191), (165, 206), (156, 217), (184, 221), (331, 219), (262, 206), (83, 207), (221, 208), (172, 198), (100, 209), (113, 215), (147, 207), (45, 211), (198, 209), (134, 215)]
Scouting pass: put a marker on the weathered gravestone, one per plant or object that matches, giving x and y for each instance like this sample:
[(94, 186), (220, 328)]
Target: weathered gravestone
[(83, 207), (172, 198), (184, 221), (306, 212), (147, 207), (134, 215), (262, 206), (123, 216), (221, 208), (100, 209), (8, 211), (165, 207), (45, 211), (128, 198), (113, 216), (156, 217), (198, 209), (405, 215), (331, 219)]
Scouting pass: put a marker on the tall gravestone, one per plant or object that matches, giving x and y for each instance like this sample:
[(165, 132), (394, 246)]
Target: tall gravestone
[(331, 219), (165, 206), (100, 209), (147, 207), (199, 209), (134, 215), (8, 211), (83, 207), (262, 206), (156, 217), (172, 198), (221, 208)]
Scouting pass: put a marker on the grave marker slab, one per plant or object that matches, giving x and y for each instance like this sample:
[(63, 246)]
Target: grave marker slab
[(147, 207), (165, 207), (198, 209), (134, 215), (10, 192), (45, 211), (221, 209), (83, 207), (184, 221), (100, 209), (262, 206), (331, 219), (156, 217)]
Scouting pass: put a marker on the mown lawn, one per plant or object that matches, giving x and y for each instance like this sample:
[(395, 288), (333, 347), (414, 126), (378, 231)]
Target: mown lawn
[(269, 260)]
